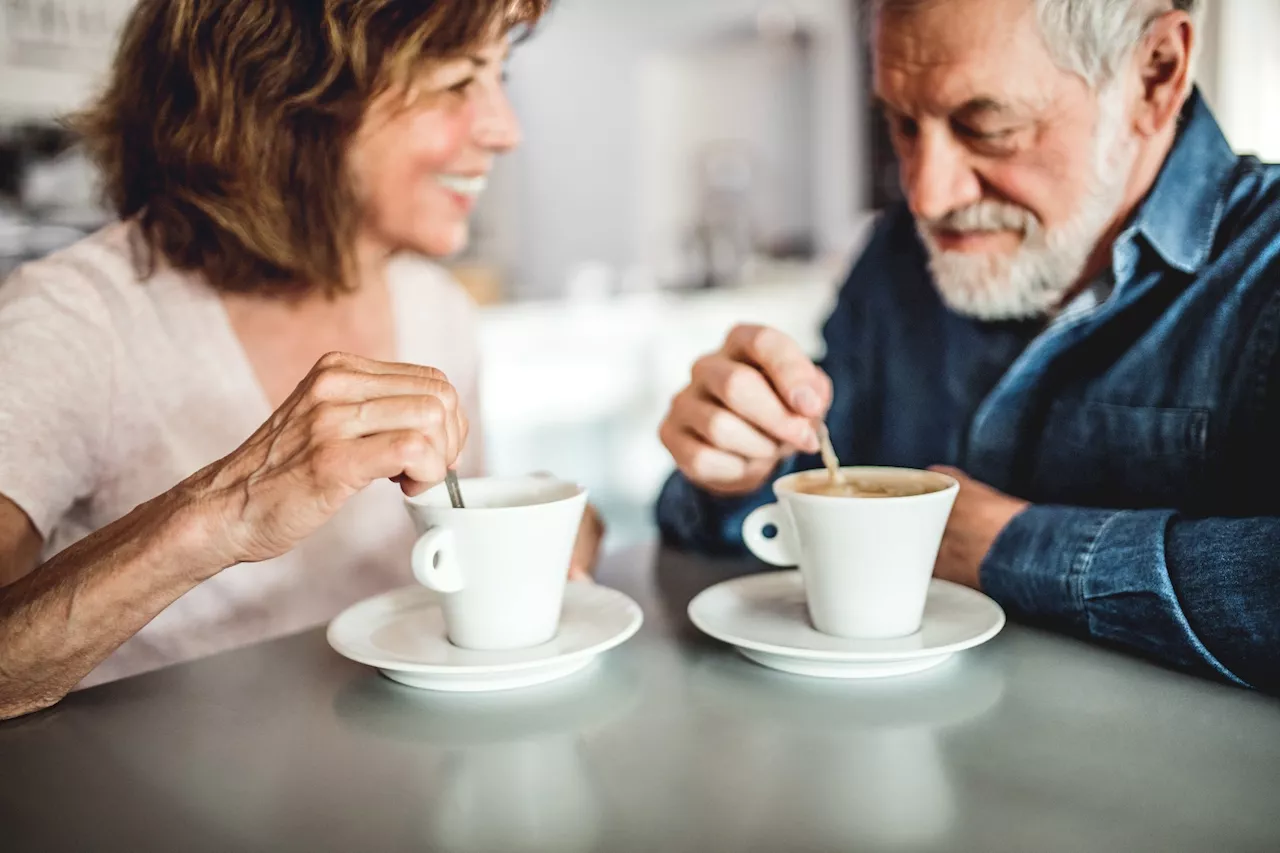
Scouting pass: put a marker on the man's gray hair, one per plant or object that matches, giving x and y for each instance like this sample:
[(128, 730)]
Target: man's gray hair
[(1091, 38)]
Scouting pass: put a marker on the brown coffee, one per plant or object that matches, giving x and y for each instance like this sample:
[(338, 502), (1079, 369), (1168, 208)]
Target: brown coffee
[(852, 485)]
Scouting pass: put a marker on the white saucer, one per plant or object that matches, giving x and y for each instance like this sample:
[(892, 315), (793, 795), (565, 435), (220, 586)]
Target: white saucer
[(766, 618), (402, 634)]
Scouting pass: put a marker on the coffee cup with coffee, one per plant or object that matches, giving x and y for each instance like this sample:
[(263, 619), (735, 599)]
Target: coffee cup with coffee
[(865, 543), (502, 562)]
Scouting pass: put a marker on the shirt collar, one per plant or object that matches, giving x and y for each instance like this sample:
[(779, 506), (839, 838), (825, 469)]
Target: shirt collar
[(1181, 214)]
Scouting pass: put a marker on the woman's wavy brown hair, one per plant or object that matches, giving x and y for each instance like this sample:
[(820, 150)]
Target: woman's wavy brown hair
[(225, 124)]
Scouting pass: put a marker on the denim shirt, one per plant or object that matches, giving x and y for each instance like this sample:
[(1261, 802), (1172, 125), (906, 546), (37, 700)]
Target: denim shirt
[(1145, 432)]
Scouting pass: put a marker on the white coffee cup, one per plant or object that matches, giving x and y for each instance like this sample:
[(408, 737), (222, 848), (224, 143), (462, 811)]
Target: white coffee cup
[(502, 562), (866, 561)]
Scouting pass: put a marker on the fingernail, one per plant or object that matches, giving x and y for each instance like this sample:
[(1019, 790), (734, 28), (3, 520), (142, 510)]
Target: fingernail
[(805, 401), (808, 440)]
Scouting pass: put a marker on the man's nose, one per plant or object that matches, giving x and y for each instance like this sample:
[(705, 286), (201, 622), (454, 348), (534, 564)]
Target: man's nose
[(937, 176)]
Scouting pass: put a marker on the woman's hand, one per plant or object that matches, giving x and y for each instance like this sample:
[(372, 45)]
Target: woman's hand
[(586, 550), (350, 422)]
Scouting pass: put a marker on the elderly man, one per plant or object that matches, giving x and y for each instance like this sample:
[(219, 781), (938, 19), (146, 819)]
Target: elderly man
[(1078, 308)]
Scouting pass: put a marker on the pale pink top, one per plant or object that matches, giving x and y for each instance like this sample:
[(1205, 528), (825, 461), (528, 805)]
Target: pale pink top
[(114, 388)]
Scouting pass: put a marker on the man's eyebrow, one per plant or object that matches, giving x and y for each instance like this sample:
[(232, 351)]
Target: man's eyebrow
[(980, 105), (969, 109)]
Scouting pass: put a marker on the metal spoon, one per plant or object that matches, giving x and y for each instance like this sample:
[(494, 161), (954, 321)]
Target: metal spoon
[(455, 491)]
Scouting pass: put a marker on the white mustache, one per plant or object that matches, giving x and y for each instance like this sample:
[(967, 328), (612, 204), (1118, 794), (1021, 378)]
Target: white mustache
[(986, 216)]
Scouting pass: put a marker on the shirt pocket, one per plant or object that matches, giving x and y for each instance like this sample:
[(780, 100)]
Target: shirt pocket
[(1127, 457)]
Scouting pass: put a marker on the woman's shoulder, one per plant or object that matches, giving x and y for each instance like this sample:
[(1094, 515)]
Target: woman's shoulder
[(87, 278)]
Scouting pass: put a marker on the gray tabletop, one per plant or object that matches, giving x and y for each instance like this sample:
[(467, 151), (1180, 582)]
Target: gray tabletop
[(669, 743)]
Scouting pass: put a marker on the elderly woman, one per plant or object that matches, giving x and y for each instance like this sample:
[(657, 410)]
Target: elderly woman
[(282, 171)]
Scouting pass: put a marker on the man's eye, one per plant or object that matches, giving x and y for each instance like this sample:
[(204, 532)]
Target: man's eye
[(982, 135), (907, 128), (462, 86)]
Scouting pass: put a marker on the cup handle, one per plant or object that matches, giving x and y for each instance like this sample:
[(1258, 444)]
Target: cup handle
[(778, 551), (433, 562)]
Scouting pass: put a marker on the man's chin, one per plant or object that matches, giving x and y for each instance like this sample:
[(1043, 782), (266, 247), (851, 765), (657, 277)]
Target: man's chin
[(991, 287)]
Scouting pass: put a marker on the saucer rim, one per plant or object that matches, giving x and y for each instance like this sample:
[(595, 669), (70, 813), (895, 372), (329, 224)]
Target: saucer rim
[(459, 683), (849, 656), (844, 670), (634, 621)]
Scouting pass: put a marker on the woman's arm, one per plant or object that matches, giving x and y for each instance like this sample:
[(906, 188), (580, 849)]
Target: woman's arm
[(60, 621), (350, 422), (586, 551), (20, 543)]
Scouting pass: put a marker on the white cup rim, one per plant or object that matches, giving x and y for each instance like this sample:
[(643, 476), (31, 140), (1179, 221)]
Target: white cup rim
[(784, 487), (429, 498)]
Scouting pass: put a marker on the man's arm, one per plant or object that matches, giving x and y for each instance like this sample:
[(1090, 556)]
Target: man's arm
[(1202, 595), (1195, 592)]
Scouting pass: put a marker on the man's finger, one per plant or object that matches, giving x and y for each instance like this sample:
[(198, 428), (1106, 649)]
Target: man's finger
[(722, 429), (746, 392), (799, 382), (701, 462)]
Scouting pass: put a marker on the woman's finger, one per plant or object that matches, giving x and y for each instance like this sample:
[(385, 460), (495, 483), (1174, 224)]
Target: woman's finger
[(417, 458)]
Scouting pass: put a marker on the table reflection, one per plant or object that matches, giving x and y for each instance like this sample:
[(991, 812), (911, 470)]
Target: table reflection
[(848, 760), (508, 771)]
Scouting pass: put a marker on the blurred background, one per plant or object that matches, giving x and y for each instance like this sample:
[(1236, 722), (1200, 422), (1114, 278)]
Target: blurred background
[(686, 166)]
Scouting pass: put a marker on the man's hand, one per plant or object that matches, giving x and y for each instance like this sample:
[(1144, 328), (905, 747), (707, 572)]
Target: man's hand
[(980, 514), (748, 406)]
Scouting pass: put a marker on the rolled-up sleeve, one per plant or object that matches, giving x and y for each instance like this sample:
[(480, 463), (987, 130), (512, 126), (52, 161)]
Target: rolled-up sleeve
[(1201, 595)]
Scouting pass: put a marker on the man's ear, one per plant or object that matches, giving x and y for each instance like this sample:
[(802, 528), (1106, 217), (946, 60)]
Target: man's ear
[(1163, 62)]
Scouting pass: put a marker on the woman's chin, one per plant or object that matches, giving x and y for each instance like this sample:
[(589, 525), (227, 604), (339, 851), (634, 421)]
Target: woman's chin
[(442, 243)]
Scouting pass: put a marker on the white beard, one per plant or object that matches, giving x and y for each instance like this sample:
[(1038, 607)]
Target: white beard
[(1033, 280)]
